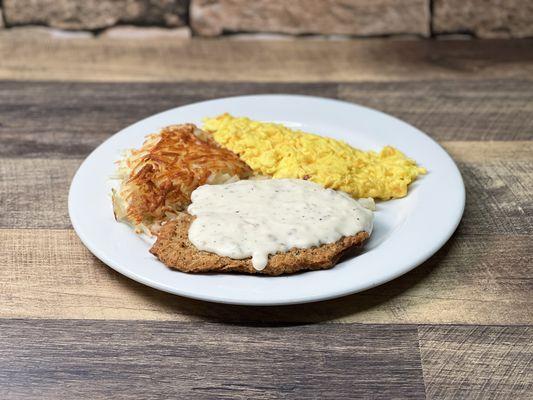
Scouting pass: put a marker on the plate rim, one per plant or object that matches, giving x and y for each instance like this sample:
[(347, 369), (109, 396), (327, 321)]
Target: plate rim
[(319, 296)]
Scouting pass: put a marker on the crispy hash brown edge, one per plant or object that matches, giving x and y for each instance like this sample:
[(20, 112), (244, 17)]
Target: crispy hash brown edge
[(174, 249), (158, 178)]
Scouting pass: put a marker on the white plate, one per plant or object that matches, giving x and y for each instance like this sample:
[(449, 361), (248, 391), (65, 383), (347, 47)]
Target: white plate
[(406, 231)]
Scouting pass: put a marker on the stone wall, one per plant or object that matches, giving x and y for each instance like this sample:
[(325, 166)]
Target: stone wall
[(351, 18)]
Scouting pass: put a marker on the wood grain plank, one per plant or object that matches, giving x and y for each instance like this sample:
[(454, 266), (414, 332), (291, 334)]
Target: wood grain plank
[(71, 119), (100, 359), (499, 197), (489, 151), (58, 119), (475, 279), (34, 192), (105, 59), (477, 362), (499, 188), (453, 110)]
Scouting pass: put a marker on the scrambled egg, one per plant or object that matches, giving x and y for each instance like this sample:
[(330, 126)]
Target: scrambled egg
[(275, 150)]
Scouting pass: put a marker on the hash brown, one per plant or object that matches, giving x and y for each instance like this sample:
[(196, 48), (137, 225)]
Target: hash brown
[(175, 250), (158, 178)]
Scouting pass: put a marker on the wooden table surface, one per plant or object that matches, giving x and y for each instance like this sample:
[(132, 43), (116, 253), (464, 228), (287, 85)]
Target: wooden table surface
[(458, 326)]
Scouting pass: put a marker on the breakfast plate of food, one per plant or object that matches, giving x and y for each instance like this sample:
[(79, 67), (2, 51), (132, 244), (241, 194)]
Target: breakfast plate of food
[(266, 199)]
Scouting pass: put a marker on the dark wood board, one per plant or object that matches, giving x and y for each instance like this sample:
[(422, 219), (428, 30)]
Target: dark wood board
[(109, 359), (58, 118), (453, 110)]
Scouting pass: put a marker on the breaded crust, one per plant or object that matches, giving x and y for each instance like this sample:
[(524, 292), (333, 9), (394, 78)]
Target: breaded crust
[(175, 250)]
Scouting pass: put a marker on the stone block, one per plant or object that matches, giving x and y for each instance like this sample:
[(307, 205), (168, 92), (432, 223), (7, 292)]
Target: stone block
[(95, 14), (484, 18), (326, 17)]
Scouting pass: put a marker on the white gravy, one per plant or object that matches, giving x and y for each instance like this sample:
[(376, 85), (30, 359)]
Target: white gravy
[(256, 218)]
